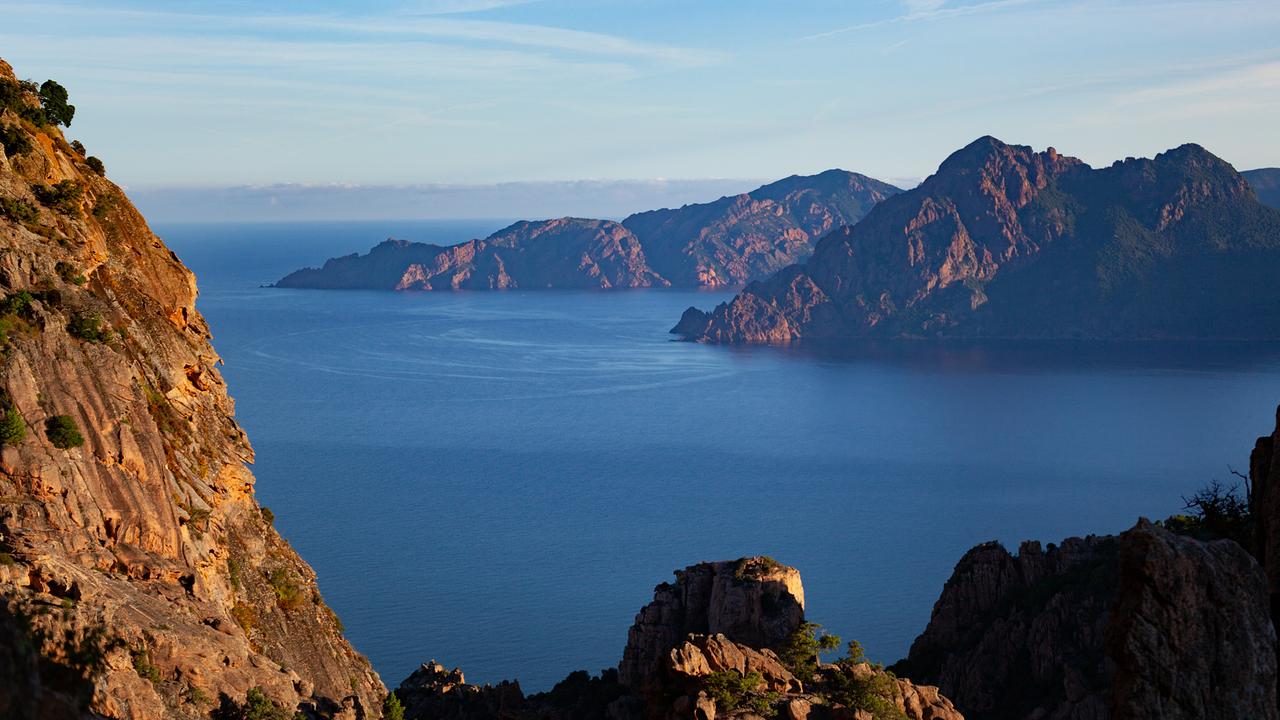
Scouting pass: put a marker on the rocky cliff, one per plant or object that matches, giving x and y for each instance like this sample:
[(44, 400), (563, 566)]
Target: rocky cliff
[(140, 577), (726, 242), (1148, 624), (1266, 183), (718, 642), (1003, 241)]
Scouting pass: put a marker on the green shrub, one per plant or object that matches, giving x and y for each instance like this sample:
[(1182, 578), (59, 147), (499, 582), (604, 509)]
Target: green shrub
[(288, 595), (19, 210), (244, 615), (391, 708), (95, 165), (267, 515), (63, 196), (68, 272), (144, 668), (87, 327), (53, 100), (14, 140), (803, 650), (256, 706), (78, 147), (62, 432), (104, 204), (18, 303), (732, 690), (6, 559), (233, 573), (12, 427)]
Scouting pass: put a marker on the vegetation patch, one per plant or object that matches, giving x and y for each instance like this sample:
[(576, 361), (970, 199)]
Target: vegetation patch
[(754, 568), (245, 616), (871, 688), (69, 273), (88, 327), (289, 595), (19, 211), (256, 706), (392, 709), (732, 690), (142, 665), (64, 196), (14, 140), (95, 165), (62, 432), (803, 650), (1215, 512)]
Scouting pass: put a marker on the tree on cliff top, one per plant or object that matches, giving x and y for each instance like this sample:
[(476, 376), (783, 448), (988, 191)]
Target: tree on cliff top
[(53, 98)]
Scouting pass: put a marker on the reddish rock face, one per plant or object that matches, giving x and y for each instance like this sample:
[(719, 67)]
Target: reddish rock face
[(753, 601), (741, 238), (723, 243), (147, 537), (1003, 241)]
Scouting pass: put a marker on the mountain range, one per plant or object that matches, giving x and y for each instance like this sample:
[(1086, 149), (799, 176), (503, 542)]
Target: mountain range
[(723, 243), (1004, 241)]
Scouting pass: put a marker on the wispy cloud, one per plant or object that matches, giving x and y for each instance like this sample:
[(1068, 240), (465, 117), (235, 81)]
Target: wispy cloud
[(451, 7), (924, 10), (1261, 79), (397, 25)]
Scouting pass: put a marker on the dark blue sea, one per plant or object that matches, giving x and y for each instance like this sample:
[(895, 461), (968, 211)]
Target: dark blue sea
[(498, 480)]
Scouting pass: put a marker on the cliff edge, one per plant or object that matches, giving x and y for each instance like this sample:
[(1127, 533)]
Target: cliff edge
[(140, 577)]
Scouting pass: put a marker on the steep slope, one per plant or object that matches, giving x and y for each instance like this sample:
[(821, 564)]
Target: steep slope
[(743, 237), (1003, 241), (138, 571), (726, 242), (1266, 183)]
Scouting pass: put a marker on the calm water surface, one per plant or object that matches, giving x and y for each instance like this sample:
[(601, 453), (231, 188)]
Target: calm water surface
[(498, 480)]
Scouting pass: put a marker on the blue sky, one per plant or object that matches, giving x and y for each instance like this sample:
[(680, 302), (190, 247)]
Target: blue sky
[(475, 92)]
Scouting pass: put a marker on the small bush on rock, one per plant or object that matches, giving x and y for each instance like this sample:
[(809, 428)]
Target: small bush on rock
[(802, 652), (256, 706), (391, 708), (95, 165), (732, 690), (14, 140), (63, 196), (88, 328), (62, 432), (12, 427), (19, 210)]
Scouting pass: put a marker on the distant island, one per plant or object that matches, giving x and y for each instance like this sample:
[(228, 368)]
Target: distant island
[(725, 243), (1003, 241), (1266, 183)]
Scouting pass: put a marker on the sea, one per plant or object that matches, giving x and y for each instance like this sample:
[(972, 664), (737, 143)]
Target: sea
[(498, 480)]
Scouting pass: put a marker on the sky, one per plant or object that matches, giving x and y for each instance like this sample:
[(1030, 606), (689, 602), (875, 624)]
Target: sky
[(283, 99)]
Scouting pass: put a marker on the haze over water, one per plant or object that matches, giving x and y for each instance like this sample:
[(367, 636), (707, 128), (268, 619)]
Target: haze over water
[(498, 480)]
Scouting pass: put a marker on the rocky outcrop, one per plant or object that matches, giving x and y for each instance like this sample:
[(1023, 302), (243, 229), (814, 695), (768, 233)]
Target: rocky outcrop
[(564, 253), (726, 242), (1145, 625), (135, 564), (754, 601), (1266, 183), (1003, 241), (1190, 634), (1264, 509), (740, 238), (705, 648)]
